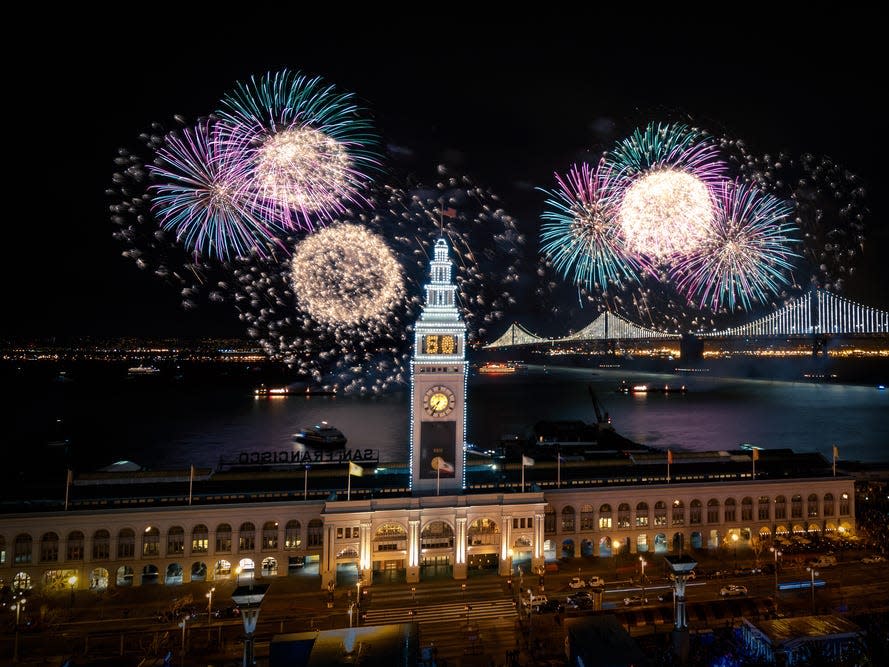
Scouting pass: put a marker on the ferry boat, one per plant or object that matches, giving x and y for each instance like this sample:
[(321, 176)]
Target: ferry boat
[(143, 370), (650, 388), (497, 368), (321, 435)]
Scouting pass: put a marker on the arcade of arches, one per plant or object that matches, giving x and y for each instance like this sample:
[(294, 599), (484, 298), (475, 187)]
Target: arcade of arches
[(407, 539)]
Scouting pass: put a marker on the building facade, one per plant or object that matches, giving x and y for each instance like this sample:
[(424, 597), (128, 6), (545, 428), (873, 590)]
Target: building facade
[(410, 538)]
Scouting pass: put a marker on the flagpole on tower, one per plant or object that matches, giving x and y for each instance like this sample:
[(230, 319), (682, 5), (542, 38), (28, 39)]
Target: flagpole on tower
[(836, 453), (349, 485)]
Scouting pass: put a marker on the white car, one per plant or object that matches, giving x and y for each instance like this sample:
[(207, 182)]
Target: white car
[(596, 582), (732, 590), (873, 559), (635, 599), (576, 582)]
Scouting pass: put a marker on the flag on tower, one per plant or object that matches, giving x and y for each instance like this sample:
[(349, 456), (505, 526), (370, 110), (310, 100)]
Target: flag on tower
[(669, 457), (755, 455), (355, 469), (527, 460)]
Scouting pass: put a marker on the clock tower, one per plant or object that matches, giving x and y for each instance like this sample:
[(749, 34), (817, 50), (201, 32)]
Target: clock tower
[(438, 384)]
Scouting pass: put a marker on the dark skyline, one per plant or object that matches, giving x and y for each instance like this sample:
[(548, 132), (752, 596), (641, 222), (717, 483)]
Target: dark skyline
[(507, 105)]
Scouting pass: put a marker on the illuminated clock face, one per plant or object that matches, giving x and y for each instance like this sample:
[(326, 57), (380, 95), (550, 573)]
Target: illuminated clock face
[(438, 401)]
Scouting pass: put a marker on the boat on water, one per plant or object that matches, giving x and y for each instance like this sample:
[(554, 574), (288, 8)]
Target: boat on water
[(321, 435), (297, 389), (650, 388), (497, 368), (143, 370)]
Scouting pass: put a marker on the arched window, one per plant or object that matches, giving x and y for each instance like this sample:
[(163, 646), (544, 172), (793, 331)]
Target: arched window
[(747, 509), (828, 504), (2, 550), (642, 515), (390, 537), (437, 535), (694, 514), (844, 504), (731, 510), (200, 539), (247, 537), (22, 549), (586, 518), (796, 506), (126, 543), (223, 538), (780, 507), (712, 511), (623, 515), (764, 504), (549, 519), (812, 509), (482, 531), (49, 548), (101, 545), (175, 541), (292, 539), (270, 536), (660, 513), (74, 549), (605, 517), (678, 513), (151, 540), (315, 533), (568, 519)]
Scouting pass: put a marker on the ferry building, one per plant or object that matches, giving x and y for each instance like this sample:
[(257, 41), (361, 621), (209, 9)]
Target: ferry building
[(436, 516)]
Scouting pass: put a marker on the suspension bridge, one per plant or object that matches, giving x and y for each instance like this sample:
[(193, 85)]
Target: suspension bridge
[(815, 314)]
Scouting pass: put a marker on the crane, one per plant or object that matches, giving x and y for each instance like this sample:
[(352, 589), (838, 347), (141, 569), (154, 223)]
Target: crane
[(602, 418)]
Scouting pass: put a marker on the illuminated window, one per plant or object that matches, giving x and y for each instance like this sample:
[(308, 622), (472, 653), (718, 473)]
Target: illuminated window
[(74, 548), (292, 538), (200, 539)]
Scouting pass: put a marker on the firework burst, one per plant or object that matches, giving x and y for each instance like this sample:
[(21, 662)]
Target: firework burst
[(747, 254), (199, 194), (580, 234), (345, 274), (309, 147)]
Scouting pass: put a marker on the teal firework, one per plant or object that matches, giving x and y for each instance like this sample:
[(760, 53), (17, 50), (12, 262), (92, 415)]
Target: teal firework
[(580, 233), (310, 148)]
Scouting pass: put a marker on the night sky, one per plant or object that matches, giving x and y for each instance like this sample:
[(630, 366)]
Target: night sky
[(506, 104)]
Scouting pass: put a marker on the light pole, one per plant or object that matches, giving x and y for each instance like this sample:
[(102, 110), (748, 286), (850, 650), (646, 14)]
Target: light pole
[(775, 553), (351, 607), (249, 598), (643, 562), (18, 611), (209, 613), (814, 574), (735, 548), (183, 624), (72, 580)]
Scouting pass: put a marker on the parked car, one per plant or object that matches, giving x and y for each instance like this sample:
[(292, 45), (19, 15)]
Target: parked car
[(634, 600), (596, 582), (580, 600), (746, 570), (873, 559), (534, 603), (666, 596), (824, 561), (576, 582), (732, 590)]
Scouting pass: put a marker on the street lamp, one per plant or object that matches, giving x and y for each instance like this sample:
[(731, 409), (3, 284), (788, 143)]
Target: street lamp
[(18, 611), (814, 574), (643, 562), (351, 607), (209, 613), (616, 546), (72, 580), (775, 553), (735, 546), (248, 599), (183, 624)]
